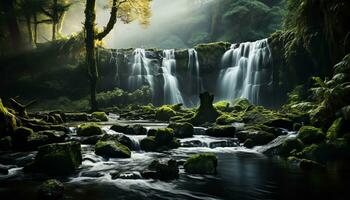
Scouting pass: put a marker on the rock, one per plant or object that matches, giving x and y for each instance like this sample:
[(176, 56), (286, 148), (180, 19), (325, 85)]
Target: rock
[(58, 158), (164, 113), (51, 190), (249, 143), (100, 116), (310, 135), (221, 131), (182, 130), (163, 140), (223, 106), (149, 174), (164, 170), (306, 164), (152, 132), (285, 148), (80, 117), (335, 130), (35, 140), (206, 111), (256, 137), (20, 137), (8, 121), (119, 137), (5, 143), (129, 129), (54, 136), (240, 104), (192, 143), (3, 170), (201, 164), (149, 143), (92, 140), (89, 129), (112, 149), (280, 123), (92, 174), (226, 119)]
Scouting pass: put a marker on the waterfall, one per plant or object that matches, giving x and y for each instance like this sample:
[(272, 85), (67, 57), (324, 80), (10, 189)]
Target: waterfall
[(140, 71), (246, 72), (114, 59), (172, 94), (194, 80)]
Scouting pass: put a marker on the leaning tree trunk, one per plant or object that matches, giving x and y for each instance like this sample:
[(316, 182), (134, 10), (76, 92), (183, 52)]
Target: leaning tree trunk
[(54, 19), (90, 17)]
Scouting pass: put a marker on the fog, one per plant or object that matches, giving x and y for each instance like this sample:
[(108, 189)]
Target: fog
[(170, 24)]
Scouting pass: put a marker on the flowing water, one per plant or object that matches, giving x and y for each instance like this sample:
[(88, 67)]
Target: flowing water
[(172, 94), (242, 174), (194, 80), (246, 72)]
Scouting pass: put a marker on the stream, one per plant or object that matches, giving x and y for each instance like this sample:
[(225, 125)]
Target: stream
[(242, 174)]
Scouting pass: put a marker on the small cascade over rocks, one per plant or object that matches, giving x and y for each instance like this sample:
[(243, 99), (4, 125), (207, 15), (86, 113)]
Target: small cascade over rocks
[(246, 72), (141, 73), (172, 94)]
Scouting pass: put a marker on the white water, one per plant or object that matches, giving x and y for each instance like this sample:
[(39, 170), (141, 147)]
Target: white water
[(140, 71), (114, 59), (194, 80), (172, 94), (246, 72)]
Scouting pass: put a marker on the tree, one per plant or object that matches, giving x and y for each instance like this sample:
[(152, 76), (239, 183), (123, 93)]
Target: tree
[(125, 10), (56, 11)]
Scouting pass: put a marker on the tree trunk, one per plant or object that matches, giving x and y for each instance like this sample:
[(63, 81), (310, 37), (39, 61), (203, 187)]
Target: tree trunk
[(30, 31), (12, 24), (54, 19), (35, 29), (90, 17)]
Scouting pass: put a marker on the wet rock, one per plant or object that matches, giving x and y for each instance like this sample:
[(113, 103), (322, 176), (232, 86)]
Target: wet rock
[(92, 174), (149, 143), (20, 137), (201, 164), (285, 148), (58, 158), (164, 113), (5, 143), (309, 164), (280, 123), (112, 149), (92, 140), (51, 190), (89, 129), (80, 117), (149, 174), (192, 143), (221, 131), (35, 140), (240, 104), (163, 140), (54, 136), (182, 130), (102, 116), (255, 137), (310, 135), (129, 129), (119, 137), (164, 170)]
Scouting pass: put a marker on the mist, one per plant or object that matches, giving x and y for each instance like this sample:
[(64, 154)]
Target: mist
[(170, 25)]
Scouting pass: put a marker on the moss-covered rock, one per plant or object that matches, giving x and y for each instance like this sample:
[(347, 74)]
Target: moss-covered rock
[(221, 131), (182, 130), (58, 158), (310, 135), (149, 143), (223, 106), (256, 137), (89, 129), (121, 138), (286, 148), (35, 140), (102, 116), (306, 164), (201, 164), (51, 190), (164, 170), (20, 137), (240, 104), (335, 130), (54, 136), (164, 113), (80, 117), (164, 136), (135, 129), (280, 123), (112, 149), (8, 121), (226, 119)]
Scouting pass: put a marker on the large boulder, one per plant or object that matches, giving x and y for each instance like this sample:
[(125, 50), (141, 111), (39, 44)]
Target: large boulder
[(101, 116), (182, 130), (163, 139), (89, 129), (201, 164), (54, 136), (81, 117), (221, 131), (162, 170), (240, 104), (280, 123), (164, 113), (112, 149), (286, 148), (51, 190), (119, 137), (135, 129), (20, 137), (58, 158), (310, 135), (255, 138)]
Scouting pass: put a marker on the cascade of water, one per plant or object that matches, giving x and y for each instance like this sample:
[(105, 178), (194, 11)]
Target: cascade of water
[(114, 59), (246, 72), (194, 79), (172, 94), (140, 71)]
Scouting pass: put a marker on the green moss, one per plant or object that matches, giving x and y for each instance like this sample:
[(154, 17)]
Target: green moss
[(164, 113), (310, 135), (201, 164), (226, 119), (182, 130), (240, 104), (222, 106), (89, 129), (335, 130), (8, 121), (149, 143), (221, 131), (291, 145), (51, 189), (164, 136), (112, 149), (100, 116)]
